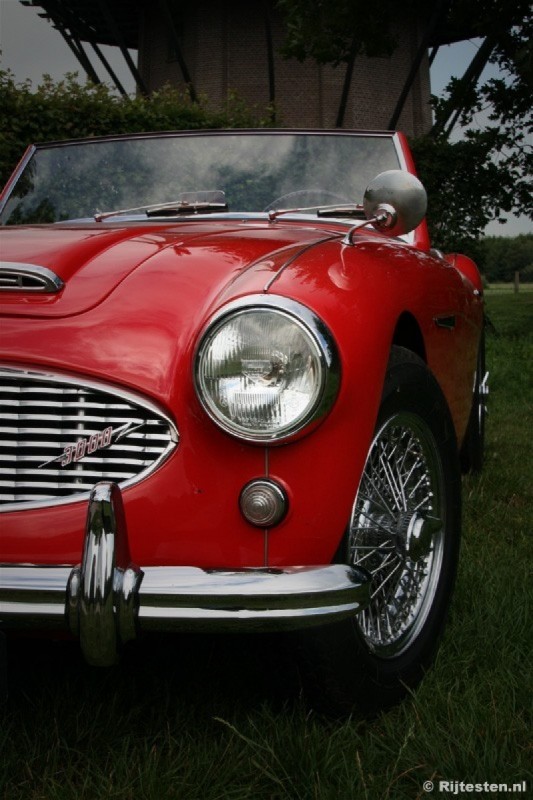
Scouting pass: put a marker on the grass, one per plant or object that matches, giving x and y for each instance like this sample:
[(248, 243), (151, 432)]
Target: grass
[(207, 718)]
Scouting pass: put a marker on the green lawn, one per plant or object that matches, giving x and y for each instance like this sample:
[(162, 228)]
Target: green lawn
[(201, 718)]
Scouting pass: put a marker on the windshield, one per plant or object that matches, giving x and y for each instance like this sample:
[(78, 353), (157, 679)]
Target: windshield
[(257, 172)]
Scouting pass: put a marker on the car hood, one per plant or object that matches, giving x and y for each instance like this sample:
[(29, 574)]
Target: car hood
[(92, 260)]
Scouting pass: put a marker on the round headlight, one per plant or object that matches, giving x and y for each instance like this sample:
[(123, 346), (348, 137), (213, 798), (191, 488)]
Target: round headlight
[(262, 372)]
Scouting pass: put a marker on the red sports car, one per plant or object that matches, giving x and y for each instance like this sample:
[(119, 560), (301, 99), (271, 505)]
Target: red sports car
[(237, 385)]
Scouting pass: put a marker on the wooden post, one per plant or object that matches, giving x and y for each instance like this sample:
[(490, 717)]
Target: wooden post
[(516, 282)]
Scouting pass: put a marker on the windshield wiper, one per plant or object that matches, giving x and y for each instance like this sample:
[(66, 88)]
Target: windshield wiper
[(348, 210), (356, 211), (183, 207), (187, 203)]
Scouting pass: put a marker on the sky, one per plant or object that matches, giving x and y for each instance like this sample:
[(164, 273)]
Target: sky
[(30, 47)]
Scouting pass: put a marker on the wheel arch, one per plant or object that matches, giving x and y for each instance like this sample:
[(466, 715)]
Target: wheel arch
[(408, 334)]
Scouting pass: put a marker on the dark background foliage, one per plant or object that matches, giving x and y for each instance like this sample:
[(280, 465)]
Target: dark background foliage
[(499, 257)]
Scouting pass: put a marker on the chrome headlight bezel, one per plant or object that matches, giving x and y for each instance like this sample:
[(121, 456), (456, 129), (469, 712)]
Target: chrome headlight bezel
[(320, 340)]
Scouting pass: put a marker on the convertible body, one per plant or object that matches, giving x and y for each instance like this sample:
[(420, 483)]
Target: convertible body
[(151, 476)]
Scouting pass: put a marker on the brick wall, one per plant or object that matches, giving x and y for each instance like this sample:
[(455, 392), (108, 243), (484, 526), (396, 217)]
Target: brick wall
[(225, 47)]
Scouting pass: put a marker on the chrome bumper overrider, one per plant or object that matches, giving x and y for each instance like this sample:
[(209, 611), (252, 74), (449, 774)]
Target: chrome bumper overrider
[(107, 601)]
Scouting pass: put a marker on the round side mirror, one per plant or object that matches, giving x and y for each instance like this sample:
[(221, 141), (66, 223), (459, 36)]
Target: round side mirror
[(396, 201)]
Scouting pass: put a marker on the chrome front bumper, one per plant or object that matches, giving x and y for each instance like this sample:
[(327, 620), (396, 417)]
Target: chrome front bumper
[(107, 600)]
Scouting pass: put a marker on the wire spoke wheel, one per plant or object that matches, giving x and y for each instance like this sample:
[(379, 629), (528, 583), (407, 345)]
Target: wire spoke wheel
[(404, 529), (396, 532)]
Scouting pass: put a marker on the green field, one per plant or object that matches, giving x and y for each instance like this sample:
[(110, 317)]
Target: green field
[(199, 718)]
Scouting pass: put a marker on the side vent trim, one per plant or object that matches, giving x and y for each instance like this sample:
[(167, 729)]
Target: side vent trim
[(17, 277), (447, 322)]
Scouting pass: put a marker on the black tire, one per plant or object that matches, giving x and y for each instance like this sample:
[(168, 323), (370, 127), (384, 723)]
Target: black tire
[(408, 537), (473, 447)]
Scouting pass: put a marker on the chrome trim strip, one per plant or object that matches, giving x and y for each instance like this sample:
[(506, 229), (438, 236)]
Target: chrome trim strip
[(187, 598), (129, 397), (33, 595), (106, 599), (13, 274), (407, 237), (14, 178)]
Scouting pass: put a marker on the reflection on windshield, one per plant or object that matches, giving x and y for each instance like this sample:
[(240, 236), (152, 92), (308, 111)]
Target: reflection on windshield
[(255, 171)]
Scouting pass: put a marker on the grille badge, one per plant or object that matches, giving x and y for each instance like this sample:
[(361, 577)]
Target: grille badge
[(97, 441)]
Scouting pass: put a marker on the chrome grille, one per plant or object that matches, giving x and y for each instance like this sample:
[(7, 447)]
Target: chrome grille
[(59, 437)]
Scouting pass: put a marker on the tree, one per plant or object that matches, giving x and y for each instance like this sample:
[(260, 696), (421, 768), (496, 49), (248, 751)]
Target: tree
[(488, 171), (500, 257), (333, 31)]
